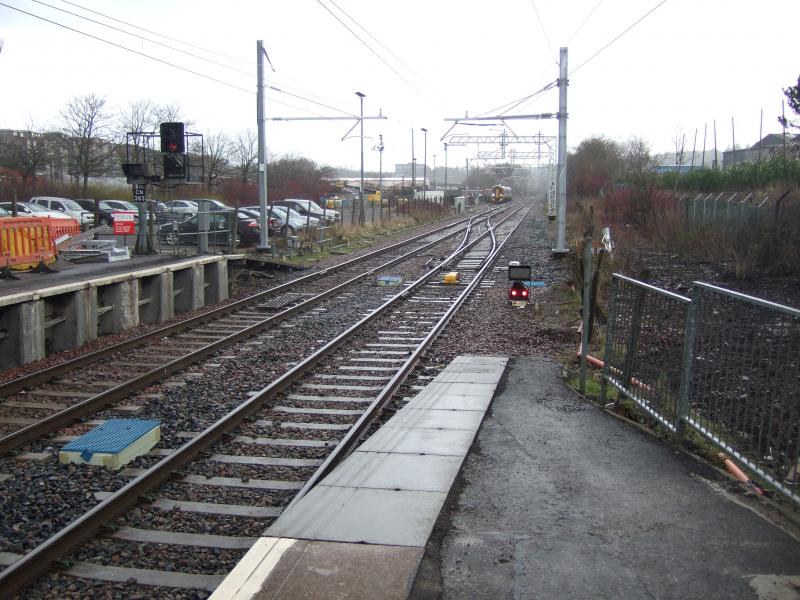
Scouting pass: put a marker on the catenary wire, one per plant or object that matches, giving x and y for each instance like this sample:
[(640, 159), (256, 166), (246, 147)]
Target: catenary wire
[(627, 29), (377, 41), (159, 60), (158, 34), (585, 20), (152, 41), (170, 64), (296, 94), (367, 46), (544, 31)]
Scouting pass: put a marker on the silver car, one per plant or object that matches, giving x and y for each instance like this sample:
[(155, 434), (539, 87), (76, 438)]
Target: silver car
[(66, 206)]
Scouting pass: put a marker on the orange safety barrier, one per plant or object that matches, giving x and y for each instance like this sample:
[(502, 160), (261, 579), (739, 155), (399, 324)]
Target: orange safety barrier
[(61, 227), (25, 243)]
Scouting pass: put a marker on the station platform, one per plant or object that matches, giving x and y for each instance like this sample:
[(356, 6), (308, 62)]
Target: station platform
[(555, 499), (43, 313), (69, 273)]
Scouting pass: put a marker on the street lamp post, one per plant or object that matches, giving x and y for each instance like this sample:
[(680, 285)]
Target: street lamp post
[(425, 167), (361, 189)]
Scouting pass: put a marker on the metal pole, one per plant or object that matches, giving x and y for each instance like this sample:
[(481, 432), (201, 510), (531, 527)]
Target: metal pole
[(760, 134), (561, 178), (425, 167), (703, 160), (413, 172), (380, 174), (263, 241), (445, 171), (733, 137), (587, 283), (361, 190), (716, 159)]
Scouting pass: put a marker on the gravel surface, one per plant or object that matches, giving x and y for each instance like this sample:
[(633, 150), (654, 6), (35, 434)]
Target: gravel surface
[(193, 400)]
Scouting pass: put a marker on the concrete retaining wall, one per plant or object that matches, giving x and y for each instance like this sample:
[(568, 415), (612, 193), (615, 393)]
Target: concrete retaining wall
[(35, 324)]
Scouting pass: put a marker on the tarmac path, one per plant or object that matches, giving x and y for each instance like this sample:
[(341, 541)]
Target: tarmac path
[(560, 500)]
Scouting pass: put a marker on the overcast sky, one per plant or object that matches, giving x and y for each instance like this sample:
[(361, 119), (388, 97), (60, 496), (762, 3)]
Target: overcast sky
[(687, 63)]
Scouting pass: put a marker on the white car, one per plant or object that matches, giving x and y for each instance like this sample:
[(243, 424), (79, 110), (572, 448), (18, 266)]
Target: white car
[(309, 207), (66, 206), (34, 210)]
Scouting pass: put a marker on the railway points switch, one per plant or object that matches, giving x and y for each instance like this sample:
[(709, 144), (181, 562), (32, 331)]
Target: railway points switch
[(113, 444), (451, 277)]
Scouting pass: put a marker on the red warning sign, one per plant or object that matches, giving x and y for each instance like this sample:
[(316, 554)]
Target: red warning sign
[(124, 222)]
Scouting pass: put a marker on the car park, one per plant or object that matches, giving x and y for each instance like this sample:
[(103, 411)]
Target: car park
[(26, 209), (66, 206), (292, 221), (213, 204), (248, 230), (309, 207), (255, 213), (104, 213), (180, 209)]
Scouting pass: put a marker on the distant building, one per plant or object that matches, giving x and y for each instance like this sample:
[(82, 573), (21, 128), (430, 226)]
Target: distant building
[(762, 149), (405, 169)]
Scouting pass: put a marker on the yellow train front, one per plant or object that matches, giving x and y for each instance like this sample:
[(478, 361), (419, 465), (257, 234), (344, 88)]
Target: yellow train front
[(500, 193)]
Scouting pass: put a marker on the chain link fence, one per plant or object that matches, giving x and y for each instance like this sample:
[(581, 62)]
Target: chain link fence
[(720, 363)]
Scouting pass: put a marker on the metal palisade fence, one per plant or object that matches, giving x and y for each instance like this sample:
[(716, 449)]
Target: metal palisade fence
[(726, 208), (721, 363)]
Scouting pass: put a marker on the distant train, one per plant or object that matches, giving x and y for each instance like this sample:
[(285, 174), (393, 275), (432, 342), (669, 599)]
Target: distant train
[(500, 193)]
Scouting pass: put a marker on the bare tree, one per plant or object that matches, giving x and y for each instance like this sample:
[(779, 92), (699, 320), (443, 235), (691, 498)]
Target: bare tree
[(680, 154), (87, 124), (218, 151), (245, 155), (25, 152), (168, 113), (138, 117)]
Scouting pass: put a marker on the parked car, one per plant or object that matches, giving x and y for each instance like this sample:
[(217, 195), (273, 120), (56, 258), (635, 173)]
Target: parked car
[(180, 209), (248, 230), (255, 213), (213, 203), (25, 209), (105, 216), (66, 206), (124, 206), (309, 207), (291, 221), (4, 213)]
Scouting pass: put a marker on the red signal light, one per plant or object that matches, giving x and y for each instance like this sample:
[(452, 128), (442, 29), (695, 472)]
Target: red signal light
[(173, 147), (518, 291)]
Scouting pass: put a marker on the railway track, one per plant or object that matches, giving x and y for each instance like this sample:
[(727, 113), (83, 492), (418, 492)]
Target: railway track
[(44, 401), (237, 474)]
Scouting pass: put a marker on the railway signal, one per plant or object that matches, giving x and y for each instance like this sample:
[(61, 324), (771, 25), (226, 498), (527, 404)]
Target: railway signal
[(518, 291), (173, 138), (519, 276)]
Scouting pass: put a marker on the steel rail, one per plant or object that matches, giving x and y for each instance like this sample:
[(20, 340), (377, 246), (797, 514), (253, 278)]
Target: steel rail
[(49, 373), (15, 577), (354, 435), (108, 397)]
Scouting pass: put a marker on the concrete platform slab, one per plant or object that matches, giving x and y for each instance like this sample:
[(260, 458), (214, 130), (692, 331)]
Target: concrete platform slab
[(447, 442), (450, 402), (330, 571), (420, 472), (468, 420), (361, 515)]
